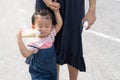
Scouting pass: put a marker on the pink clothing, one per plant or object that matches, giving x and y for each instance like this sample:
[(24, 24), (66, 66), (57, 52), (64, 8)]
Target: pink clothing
[(41, 43)]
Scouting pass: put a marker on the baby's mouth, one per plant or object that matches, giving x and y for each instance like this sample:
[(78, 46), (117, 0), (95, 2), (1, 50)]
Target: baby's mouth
[(42, 32)]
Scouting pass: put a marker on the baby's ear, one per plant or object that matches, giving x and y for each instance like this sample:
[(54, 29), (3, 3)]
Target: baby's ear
[(33, 26)]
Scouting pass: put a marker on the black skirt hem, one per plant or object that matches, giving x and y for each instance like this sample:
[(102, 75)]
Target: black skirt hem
[(80, 69)]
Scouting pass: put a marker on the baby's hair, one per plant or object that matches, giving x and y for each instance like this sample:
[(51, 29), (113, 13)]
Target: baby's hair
[(43, 12)]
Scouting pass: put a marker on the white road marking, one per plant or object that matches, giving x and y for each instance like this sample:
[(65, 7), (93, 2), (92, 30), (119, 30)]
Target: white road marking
[(104, 36)]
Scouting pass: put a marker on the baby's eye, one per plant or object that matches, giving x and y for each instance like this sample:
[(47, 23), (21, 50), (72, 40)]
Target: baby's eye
[(39, 26), (47, 26)]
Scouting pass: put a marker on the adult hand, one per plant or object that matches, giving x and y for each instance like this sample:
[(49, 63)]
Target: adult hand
[(47, 2), (90, 17), (53, 5)]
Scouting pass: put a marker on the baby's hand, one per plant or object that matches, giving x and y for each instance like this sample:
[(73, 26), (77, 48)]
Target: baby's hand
[(18, 35)]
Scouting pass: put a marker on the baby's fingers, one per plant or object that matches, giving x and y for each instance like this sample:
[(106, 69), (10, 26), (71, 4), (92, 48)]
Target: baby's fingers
[(18, 34), (55, 4), (54, 8)]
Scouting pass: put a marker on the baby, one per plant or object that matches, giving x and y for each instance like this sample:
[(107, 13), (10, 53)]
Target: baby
[(39, 51)]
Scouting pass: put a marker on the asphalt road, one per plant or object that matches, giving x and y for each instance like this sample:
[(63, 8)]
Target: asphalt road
[(101, 43)]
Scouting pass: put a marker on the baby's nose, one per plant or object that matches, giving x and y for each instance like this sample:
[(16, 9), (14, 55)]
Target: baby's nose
[(43, 28)]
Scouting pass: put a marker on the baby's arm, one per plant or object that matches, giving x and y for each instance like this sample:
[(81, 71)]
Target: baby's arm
[(54, 6), (24, 51), (59, 21)]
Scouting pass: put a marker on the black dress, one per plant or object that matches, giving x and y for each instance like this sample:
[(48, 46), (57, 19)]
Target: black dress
[(68, 42)]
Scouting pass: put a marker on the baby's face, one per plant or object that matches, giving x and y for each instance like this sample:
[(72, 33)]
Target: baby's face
[(44, 25)]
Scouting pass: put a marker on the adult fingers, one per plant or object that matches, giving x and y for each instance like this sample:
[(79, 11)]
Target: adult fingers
[(55, 0)]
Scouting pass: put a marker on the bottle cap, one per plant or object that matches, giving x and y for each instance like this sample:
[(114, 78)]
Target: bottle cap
[(85, 24)]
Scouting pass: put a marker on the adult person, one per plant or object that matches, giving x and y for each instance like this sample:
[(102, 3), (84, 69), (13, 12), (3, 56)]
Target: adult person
[(68, 42)]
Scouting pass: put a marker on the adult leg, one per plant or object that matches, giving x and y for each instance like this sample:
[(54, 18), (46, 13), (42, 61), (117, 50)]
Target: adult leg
[(58, 71), (73, 72)]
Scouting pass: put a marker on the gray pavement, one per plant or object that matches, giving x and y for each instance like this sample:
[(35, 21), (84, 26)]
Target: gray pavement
[(101, 43)]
